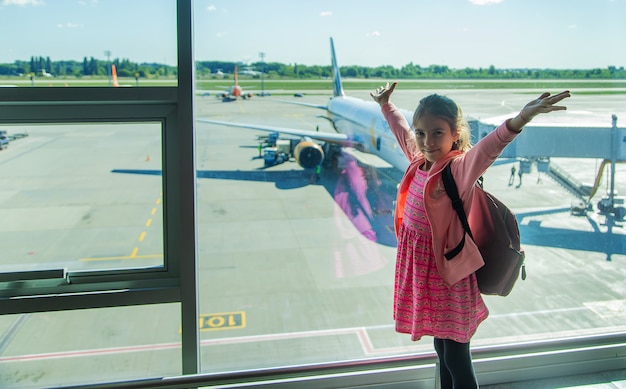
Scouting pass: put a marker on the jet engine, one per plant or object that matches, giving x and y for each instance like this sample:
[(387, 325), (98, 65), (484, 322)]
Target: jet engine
[(308, 154)]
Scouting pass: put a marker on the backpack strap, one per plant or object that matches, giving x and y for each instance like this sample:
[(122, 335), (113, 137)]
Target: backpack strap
[(457, 204)]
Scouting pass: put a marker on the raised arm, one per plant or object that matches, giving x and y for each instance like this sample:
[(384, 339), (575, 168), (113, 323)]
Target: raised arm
[(485, 152), (383, 93), (543, 104), (398, 124)]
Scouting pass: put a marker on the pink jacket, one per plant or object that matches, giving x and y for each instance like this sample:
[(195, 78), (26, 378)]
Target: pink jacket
[(447, 230)]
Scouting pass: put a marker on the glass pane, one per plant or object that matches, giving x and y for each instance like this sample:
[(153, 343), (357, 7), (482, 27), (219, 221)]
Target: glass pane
[(53, 349), (298, 267), (293, 272), (88, 43), (81, 197)]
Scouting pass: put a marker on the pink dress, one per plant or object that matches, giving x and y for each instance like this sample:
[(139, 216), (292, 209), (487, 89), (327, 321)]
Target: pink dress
[(423, 303)]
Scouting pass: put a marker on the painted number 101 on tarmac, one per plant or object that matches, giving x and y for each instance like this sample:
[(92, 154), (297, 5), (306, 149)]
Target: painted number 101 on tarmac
[(222, 321)]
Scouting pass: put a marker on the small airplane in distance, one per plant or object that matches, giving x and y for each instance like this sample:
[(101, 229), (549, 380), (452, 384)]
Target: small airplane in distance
[(250, 71), (235, 92), (359, 124), (45, 74)]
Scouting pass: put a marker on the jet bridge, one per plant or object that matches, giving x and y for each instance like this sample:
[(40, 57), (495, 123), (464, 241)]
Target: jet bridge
[(539, 143), (562, 141)]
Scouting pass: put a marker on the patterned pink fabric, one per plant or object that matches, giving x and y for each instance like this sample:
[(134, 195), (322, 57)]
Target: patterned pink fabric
[(423, 304)]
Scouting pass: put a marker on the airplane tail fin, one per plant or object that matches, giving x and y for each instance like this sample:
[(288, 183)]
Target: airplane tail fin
[(236, 77), (114, 75), (337, 87)]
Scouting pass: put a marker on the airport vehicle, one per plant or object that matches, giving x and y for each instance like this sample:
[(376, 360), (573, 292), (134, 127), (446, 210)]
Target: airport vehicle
[(580, 207), (272, 138), (235, 91), (617, 207), (4, 142), (4, 139), (277, 154), (271, 156)]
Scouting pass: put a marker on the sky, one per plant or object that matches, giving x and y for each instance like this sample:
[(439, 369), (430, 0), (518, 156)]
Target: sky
[(560, 34)]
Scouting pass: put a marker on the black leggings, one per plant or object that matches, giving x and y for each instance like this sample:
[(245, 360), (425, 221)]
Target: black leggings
[(455, 365)]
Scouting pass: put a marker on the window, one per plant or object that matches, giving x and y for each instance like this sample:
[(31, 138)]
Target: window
[(71, 196)]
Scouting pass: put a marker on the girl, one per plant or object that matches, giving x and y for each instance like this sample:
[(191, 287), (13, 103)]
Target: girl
[(432, 295)]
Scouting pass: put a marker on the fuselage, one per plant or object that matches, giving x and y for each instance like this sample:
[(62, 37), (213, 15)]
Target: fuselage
[(365, 124)]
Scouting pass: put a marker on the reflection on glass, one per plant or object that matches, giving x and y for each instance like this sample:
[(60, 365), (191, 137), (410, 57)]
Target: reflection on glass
[(368, 205), (69, 202)]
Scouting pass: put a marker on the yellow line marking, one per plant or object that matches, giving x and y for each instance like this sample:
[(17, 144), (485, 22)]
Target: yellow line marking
[(122, 257), (133, 255)]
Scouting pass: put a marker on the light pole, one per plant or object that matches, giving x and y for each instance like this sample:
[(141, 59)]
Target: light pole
[(262, 55), (108, 54)]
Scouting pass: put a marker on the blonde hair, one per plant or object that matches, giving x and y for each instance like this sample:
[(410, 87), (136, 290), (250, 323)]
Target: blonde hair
[(446, 109)]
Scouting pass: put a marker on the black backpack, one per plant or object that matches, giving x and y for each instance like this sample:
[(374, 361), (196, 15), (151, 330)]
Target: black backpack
[(496, 234)]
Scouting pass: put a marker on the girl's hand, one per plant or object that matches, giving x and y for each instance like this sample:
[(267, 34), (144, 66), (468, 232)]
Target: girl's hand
[(383, 93), (544, 104)]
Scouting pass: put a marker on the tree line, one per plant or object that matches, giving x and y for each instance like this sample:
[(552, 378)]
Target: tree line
[(89, 67), (92, 67)]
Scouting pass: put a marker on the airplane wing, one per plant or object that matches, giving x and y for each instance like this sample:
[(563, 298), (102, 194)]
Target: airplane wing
[(324, 107), (340, 139)]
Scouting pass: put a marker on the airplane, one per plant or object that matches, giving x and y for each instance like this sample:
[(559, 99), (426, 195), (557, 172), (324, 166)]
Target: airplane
[(358, 124), (235, 91), (45, 74), (249, 71)]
